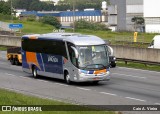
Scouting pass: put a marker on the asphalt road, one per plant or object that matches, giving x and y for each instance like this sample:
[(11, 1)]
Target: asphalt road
[(126, 87)]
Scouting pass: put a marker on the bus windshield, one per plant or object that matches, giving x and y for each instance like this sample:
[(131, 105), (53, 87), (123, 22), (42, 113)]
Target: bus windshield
[(92, 57)]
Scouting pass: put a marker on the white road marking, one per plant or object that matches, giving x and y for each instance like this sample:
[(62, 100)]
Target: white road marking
[(129, 75), (10, 74), (157, 103), (108, 93), (61, 84), (84, 89), (135, 99), (37, 80)]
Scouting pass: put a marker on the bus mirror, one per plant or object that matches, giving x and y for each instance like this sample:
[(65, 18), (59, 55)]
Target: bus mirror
[(75, 51), (110, 49)]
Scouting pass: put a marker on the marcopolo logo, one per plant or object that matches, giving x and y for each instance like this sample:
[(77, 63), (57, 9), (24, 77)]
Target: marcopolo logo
[(52, 59)]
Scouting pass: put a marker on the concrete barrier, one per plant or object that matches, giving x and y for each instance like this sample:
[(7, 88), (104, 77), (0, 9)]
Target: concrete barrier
[(141, 54), (6, 40)]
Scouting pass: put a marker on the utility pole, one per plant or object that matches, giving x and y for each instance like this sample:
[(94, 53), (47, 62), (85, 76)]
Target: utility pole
[(73, 15), (11, 12)]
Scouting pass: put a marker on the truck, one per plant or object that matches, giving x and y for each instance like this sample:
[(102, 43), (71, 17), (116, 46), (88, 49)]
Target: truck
[(112, 58), (14, 55), (155, 44)]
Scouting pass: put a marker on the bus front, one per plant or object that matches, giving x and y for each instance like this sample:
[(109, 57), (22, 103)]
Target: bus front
[(93, 63)]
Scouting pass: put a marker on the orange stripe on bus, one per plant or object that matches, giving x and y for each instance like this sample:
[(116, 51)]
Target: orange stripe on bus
[(32, 59), (100, 71), (33, 37)]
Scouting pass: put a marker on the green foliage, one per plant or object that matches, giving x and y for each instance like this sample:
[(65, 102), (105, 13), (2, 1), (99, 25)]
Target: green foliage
[(79, 4), (83, 24), (51, 21), (3, 48), (31, 18), (31, 5), (4, 17), (138, 66), (5, 8), (138, 20), (13, 98)]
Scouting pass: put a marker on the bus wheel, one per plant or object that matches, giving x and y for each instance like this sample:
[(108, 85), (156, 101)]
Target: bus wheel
[(67, 79), (16, 62), (12, 61), (34, 72), (95, 82)]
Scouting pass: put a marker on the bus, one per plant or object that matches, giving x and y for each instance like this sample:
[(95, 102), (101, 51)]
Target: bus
[(72, 57)]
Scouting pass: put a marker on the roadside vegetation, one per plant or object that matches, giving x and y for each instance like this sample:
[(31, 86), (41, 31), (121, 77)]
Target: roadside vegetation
[(12, 98), (138, 66), (3, 48)]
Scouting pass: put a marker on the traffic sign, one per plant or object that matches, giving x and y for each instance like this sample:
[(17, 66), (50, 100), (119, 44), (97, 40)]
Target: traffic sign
[(15, 26)]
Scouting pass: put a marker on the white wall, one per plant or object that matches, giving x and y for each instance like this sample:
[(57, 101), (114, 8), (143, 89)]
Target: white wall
[(153, 28), (134, 8), (151, 8), (152, 16)]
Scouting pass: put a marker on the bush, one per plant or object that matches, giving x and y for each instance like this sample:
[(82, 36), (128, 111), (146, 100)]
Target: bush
[(83, 24), (31, 18), (51, 21), (4, 17)]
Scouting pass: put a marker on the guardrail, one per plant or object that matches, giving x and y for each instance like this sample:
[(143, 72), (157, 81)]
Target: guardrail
[(138, 61)]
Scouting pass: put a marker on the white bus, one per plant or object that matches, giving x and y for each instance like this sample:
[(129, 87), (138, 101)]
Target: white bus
[(68, 56)]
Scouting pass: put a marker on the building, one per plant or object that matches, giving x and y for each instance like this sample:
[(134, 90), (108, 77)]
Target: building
[(66, 18), (121, 13), (152, 16)]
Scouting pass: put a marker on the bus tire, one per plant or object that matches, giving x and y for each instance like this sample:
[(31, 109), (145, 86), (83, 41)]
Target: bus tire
[(67, 79), (95, 82), (16, 62), (34, 72), (12, 61)]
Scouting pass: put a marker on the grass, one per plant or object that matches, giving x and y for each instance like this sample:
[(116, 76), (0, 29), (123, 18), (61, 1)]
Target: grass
[(34, 27), (12, 98), (124, 36), (138, 66), (3, 48), (38, 27)]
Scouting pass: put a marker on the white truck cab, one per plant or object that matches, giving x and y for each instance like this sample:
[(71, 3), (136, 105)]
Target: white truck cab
[(155, 42)]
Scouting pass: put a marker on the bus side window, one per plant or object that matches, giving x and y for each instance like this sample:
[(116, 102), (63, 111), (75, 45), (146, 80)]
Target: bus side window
[(72, 54)]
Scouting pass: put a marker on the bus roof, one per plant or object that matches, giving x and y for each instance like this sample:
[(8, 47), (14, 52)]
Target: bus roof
[(75, 38)]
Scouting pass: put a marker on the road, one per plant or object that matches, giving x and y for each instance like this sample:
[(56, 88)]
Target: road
[(126, 87)]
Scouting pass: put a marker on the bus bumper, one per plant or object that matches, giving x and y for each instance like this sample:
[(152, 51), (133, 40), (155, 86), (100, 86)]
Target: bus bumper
[(93, 77)]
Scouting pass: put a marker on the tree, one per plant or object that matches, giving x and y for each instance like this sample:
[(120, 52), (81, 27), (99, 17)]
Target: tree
[(5, 8), (138, 22), (51, 20), (83, 24), (79, 4), (31, 5)]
